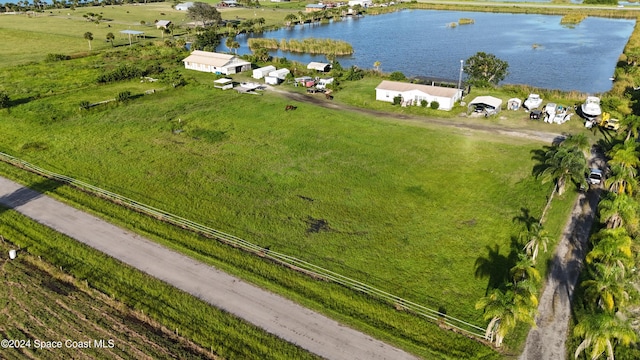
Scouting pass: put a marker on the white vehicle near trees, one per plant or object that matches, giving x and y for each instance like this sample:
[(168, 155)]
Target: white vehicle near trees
[(322, 83)]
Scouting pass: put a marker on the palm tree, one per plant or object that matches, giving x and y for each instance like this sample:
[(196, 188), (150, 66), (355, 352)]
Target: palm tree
[(612, 248), (376, 65), (618, 210), (228, 42), (110, 38), (88, 36), (631, 124), (564, 163), (606, 288), (500, 309), (581, 141), (524, 269), (621, 181), (535, 238), (626, 156), (601, 332)]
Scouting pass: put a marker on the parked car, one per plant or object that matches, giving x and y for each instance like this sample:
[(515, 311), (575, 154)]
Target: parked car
[(612, 124), (595, 177)]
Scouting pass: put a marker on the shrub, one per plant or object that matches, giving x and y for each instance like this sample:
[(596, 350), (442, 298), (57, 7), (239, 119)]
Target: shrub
[(397, 100), (56, 57), (424, 103), (397, 76), (4, 100), (123, 96), (123, 72), (435, 105)]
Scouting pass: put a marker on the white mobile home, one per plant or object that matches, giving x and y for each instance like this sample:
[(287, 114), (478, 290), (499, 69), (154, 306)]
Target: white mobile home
[(415, 94), (218, 63), (263, 71)]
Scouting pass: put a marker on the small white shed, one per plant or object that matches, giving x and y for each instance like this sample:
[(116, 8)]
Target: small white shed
[(263, 71)]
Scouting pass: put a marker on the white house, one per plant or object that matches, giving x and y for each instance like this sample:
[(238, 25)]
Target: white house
[(414, 94), (215, 63), (263, 71), (363, 3), (184, 6)]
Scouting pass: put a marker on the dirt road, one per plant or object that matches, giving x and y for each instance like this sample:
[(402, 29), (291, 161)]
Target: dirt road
[(277, 315), (548, 340)]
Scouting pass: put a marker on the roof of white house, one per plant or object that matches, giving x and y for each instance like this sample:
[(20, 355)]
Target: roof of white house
[(428, 89), (209, 58), (317, 66), (487, 100), (163, 22), (223, 81)]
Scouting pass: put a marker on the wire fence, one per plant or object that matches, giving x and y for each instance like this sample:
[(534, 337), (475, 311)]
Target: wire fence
[(315, 271)]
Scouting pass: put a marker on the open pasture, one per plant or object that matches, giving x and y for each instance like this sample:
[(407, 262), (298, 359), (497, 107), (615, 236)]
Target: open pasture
[(406, 207)]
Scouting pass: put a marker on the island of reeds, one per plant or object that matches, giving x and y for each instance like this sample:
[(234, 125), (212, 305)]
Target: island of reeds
[(309, 45), (572, 19)]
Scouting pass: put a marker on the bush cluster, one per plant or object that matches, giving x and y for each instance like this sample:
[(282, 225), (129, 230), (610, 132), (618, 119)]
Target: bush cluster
[(123, 72), (56, 57)]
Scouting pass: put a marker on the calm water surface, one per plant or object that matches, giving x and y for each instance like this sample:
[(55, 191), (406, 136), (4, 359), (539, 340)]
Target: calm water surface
[(419, 43)]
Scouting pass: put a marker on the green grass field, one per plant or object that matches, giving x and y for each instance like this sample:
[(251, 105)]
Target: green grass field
[(406, 206)]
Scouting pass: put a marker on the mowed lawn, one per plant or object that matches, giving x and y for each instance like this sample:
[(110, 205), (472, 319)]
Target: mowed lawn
[(406, 207)]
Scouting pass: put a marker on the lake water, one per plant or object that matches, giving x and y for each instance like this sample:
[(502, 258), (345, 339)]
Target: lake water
[(419, 43)]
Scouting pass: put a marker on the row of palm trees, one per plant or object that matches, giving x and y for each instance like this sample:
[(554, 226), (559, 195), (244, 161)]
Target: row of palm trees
[(516, 300), (610, 285)]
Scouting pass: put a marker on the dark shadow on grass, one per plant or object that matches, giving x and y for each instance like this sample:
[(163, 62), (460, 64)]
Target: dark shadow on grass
[(525, 218), (495, 266)]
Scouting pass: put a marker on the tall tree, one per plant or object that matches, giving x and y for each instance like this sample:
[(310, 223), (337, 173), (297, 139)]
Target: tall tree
[(110, 38), (500, 310), (631, 125), (485, 69), (562, 164), (581, 141), (204, 13), (618, 210), (607, 288), (601, 332), (89, 37), (536, 238), (621, 181), (611, 247), (626, 155)]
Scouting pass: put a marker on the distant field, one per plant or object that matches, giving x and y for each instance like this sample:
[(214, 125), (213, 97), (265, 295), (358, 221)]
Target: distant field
[(61, 31)]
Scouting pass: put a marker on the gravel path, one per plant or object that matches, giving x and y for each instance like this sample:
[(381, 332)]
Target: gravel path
[(277, 315), (548, 340)]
